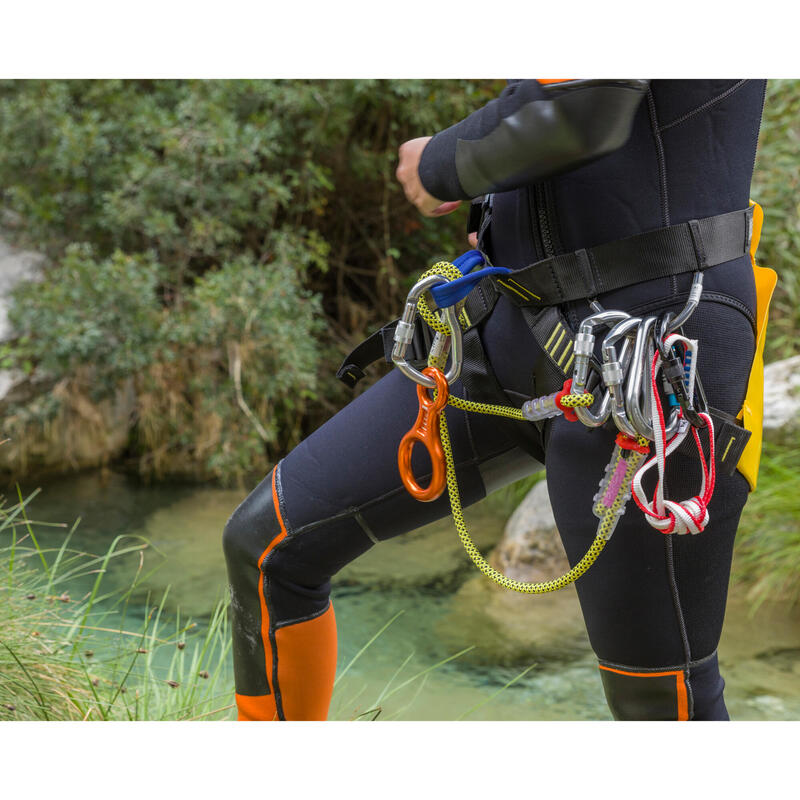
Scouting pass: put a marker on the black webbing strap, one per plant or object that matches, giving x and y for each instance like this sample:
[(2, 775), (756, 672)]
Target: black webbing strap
[(688, 247), (379, 345), (477, 306)]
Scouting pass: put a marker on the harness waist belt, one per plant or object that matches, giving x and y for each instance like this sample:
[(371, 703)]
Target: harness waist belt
[(688, 247)]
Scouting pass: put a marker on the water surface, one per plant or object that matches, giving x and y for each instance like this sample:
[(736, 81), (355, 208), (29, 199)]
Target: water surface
[(425, 584)]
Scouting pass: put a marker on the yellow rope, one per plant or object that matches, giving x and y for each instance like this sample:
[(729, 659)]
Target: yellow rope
[(607, 520)]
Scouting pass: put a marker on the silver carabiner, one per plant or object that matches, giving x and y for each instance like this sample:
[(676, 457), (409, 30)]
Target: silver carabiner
[(442, 343), (691, 303), (614, 372), (638, 391)]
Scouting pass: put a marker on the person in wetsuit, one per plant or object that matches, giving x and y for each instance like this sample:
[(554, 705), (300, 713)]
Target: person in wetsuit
[(570, 165)]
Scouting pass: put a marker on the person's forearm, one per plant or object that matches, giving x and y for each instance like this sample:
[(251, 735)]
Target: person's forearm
[(530, 132)]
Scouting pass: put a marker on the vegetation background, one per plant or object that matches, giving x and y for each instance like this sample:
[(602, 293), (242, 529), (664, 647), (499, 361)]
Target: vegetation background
[(220, 245)]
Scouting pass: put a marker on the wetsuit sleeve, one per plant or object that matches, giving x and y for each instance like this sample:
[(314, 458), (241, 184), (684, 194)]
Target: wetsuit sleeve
[(528, 133)]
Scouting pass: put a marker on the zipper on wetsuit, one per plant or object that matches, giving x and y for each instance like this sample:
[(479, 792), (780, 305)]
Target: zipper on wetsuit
[(544, 221), (543, 228)]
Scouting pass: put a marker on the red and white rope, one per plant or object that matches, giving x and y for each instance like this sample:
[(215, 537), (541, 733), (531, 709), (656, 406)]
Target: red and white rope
[(671, 516)]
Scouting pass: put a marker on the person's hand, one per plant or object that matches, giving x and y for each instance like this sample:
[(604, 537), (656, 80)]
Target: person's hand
[(407, 173)]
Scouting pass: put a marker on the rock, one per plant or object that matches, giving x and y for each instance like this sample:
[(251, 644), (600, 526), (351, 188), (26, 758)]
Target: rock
[(781, 398), (510, 628), (531, 548), (16, 266), (83, 433)]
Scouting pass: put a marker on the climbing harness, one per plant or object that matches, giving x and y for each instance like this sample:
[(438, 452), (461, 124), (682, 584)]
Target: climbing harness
[(640, 359)]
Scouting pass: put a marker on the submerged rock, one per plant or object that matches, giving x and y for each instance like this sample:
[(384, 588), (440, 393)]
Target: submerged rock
[(511, 628)]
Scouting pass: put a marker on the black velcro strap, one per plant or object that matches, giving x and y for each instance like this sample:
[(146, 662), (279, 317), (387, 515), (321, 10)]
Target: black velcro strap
[(688, 247), (379, 345), (730, 439)]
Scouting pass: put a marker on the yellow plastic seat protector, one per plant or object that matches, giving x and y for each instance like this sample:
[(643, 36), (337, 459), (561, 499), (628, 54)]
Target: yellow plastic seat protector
[(752, 413)]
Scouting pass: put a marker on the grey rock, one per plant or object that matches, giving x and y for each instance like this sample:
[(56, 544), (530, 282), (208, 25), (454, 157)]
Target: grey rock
[(531, 548), (781, 398), (511, 628), (16, 266)]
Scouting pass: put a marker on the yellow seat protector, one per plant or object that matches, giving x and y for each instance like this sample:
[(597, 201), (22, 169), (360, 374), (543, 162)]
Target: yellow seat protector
[(752, 413)]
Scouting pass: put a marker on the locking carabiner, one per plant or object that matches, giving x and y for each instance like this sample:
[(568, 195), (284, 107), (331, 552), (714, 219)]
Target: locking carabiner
[(442, 344), (425, 430)]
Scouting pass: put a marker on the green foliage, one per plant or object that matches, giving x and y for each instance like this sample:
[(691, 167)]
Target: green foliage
[(197, 186), (768, 541), (88, 312), (776, 186)]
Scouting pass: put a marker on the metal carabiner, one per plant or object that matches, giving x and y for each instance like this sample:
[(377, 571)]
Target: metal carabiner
[(583, 348), (425, 430), (691, 303), (614, 372), (404, 333)]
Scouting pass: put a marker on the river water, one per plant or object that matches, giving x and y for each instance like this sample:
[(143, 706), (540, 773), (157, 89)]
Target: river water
[(423, 585)]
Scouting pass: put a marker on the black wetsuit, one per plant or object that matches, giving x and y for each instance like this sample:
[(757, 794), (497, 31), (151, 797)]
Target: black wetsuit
[(653, 604)]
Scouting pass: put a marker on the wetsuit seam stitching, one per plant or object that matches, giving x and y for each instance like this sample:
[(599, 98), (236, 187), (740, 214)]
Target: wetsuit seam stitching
[(662, 166), (671, 668), (708, 297), (351, 511), (678, 608), (364, 527), (281, 499), (307, 618), (703, 106), (274, 685)]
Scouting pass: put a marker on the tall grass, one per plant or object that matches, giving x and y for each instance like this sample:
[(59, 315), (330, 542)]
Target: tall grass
[(70, 651), (767, 555)]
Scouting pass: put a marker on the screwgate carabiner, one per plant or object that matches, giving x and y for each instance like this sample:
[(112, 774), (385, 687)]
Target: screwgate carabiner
[(426, 431)]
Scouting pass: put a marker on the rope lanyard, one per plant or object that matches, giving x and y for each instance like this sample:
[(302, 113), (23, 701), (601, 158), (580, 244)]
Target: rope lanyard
[(623, 474), (432, 423)]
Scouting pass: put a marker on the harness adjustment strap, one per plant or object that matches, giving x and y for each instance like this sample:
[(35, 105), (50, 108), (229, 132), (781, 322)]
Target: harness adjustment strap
[(687, 247), (730, 440)]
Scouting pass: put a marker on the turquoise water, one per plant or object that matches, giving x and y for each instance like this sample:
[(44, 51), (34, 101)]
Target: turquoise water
[(436, 604)]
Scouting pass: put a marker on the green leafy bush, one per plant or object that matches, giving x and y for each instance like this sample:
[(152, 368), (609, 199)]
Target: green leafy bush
[(194, 226), (776, 186)]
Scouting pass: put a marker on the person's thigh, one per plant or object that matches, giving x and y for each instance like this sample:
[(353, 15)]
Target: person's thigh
[(340, 489), (655, 600)]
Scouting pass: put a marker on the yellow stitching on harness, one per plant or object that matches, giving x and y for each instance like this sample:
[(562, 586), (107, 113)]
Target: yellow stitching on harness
[(503, 283), (567, 348), (527, 291), (728, 448), (555, 331), (555, 346)]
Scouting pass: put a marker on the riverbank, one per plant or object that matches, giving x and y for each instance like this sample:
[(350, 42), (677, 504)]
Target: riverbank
[(412, 582)]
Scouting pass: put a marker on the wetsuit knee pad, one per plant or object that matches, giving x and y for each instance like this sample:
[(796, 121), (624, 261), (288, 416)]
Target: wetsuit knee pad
[(671, 694), (256, 535)]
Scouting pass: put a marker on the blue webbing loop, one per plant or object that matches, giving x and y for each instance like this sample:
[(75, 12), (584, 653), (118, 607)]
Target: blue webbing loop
[(468, 261), (449, 294)]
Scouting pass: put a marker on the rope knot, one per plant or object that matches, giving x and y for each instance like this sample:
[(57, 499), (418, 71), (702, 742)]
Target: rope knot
[(690, 516)]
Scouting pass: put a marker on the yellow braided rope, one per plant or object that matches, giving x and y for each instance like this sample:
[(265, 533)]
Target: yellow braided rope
[(607, 520)]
